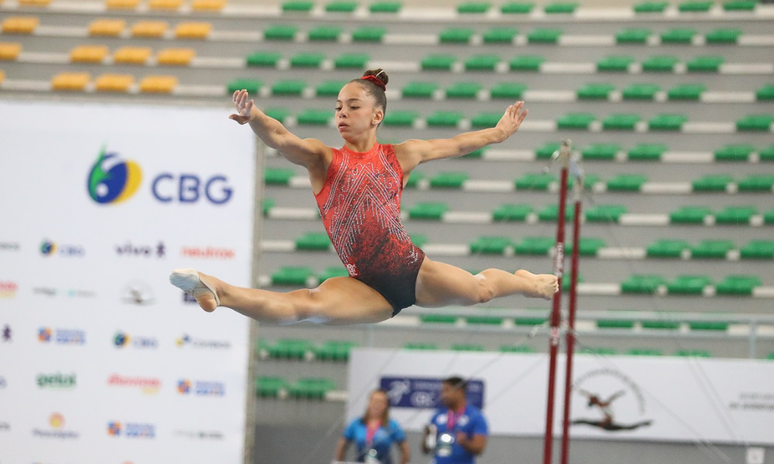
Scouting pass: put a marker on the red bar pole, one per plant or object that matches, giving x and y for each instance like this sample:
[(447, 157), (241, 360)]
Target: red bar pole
[(571, 322), (564, 155)]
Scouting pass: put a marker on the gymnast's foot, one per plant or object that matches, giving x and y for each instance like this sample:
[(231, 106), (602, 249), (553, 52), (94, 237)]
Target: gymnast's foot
[(195, 284), (539, 285)]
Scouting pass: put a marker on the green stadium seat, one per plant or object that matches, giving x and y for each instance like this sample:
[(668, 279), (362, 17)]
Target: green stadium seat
[(667, 122), (438, 62), (686, 92), (251, 85), (291, 87), (566, 282), (418, 239), (456, 35), (589, 181), (334, 350), (734, 153), (626, 182), (341, 7), (291, 348), (385, 7), (526, 63), (766, 154), (538, 246), (297, 6), (740, 5), (318, 241), (620, 121), (482, 62), (642, 283), (768, 217), (368, 34), (449, 180), (463, 90), (735, 215), (428, 211), (660, 64), (712, 249), (650, 7), (508, 90), (291, 275), (473, 7), (705, 64), (605, 213), (280, 32), (693, 353), (437, 319), (544, 36), (315, 117), (688, 284), (529, 321), (758, 249), (444, 119), (280, 114), (661, 325), (633, 36), (765, 93), (738, 285), (561, 8), (476, 154), (538, 182), (756, 183), (419, 89), (666, 248), (420, 346), (268, 204), (490, 245), (547, 150), (714, 326), (516, 213), (601, 151), (615, 324), (598, 351), (587, 246), (689, 215), (278, 176), (264, 59), (723, 36), (400, 118), (351, 60), (516, 349), (647, 152), (270, 387), (755, 123), (712, 183), (677, 36), (311, 388), (644, 352), (617, 63), (330, 272), (550, 213), (329, 88), (595, 91), (484, 320), (324, 34), (640, 92), (695, 6), (467, 347), (575, 121), (517, 8), (498, 35), (484, 120), (414, 178), (307, 60)]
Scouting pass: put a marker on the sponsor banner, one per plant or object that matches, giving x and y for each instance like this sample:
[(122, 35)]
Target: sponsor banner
[(96, 214), (425, 392), (617, 398)]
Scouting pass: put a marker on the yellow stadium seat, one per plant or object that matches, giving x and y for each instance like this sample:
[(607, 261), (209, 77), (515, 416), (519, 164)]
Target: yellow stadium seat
[(107, 27), (132, 55), (20, 24), (158, 84), (164, 4), (9, 50), (71, 81), (122, 4), (89, 53), (2, 76), (114, 82), (34, 2), (208, 5), (149, 28), (199, 30), (176, 56)]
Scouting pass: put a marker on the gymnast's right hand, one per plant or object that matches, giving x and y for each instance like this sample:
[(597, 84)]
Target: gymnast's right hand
[(243, 106)]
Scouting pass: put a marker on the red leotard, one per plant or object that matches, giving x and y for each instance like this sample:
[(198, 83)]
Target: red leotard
[(360, 208)]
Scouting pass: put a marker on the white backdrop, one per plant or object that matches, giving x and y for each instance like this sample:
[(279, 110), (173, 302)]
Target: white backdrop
[(664, 399), (101, 359)]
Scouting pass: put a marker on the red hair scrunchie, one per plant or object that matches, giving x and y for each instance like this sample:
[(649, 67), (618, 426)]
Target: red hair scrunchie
[(375, 80)]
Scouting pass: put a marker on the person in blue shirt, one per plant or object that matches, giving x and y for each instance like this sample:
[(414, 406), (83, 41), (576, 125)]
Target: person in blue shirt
[(374, 434), (458, 431)]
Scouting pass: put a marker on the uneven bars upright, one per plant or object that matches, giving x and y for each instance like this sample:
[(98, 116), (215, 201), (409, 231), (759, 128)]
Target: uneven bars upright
[(563, 154)]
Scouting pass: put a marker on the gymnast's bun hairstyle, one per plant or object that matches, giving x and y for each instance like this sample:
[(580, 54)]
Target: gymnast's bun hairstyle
[(375, 82)]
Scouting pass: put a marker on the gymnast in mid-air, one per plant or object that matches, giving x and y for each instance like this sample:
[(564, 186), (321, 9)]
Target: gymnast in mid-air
[(358, 189)]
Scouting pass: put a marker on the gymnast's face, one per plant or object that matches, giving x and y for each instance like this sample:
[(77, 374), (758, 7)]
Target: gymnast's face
[(356, 113), (377, 405)]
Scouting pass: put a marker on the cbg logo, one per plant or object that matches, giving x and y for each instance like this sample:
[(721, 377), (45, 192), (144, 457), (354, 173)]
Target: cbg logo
[(122, 339), (112, 180), (49, 248)]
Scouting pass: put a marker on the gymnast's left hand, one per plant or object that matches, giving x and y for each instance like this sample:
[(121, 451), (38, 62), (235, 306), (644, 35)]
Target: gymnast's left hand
[(512, 119)]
